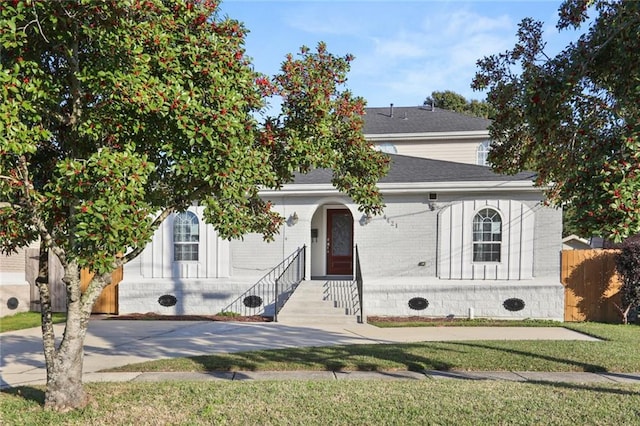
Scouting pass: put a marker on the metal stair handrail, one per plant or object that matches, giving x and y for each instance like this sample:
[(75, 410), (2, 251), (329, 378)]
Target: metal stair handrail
[(359, 284), (267, 296)]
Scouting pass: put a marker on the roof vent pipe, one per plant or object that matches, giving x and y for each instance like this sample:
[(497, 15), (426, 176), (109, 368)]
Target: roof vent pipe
[(390, 110)]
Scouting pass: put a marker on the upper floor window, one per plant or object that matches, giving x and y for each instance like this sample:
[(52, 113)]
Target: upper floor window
[(483, 154), (186, 236), (487, 236)]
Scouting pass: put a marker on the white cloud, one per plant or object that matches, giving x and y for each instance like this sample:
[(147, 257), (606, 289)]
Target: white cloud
[(313, 19), (439, 54), (463, 23), (404, 50)]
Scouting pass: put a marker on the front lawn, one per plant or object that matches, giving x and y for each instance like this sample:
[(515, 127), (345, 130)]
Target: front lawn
[(618, 351), (23, 320), (333, 402)]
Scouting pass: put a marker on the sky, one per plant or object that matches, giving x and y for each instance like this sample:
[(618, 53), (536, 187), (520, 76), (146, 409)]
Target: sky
[(404, 50)]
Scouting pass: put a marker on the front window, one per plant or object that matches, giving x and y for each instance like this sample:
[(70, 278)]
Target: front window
[(487, 236), (186, 236), (483, 154)]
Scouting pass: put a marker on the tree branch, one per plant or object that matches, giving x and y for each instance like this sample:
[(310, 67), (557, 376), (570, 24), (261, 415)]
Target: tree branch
[(36, 217), (154, 225)]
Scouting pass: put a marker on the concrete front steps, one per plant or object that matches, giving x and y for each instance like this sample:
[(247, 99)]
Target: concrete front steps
[(320, 302)]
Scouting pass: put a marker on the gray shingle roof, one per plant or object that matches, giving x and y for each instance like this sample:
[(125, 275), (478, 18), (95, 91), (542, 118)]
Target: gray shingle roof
[(405, 169), (419, 120)]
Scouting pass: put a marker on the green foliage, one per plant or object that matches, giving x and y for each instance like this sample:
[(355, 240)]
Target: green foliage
[(115, 114), (105, 195), (456, 102), (574, 118), (229, 314), (628, 267)]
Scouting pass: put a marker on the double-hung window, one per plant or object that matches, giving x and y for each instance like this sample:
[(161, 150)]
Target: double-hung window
[(186, 237), (487, 236)]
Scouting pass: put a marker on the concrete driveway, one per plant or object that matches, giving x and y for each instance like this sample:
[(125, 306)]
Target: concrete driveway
[(120, 342)]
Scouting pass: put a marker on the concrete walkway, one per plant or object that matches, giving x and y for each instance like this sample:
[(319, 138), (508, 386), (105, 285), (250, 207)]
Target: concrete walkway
[(115, 343)]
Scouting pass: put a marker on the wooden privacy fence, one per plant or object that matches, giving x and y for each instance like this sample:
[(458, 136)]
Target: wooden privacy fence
[(107, 303), (591, 285)]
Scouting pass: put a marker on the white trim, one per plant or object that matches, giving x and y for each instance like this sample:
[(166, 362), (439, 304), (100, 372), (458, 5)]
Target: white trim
[(326, 189), (474, 242), (400, 137)]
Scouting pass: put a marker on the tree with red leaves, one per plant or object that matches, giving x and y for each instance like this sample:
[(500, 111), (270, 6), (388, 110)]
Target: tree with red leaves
[(117, 113), (574, 118)]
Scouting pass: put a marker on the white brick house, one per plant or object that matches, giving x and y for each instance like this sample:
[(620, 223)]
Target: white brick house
[(457, 237)]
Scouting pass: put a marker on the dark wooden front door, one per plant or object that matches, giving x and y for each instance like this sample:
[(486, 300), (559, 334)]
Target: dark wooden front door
[(339, 242)]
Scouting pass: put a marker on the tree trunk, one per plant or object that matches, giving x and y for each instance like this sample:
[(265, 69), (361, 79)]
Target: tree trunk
[(65, 391)]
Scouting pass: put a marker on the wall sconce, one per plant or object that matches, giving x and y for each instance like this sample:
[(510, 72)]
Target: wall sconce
[(366, 219), (293, 219)]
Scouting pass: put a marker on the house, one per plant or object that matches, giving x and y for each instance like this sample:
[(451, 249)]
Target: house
[(455, 239), (574, 242), (428, 132), (18, 272), (15, 291)]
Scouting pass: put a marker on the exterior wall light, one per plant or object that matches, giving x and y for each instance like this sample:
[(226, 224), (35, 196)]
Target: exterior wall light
[(293, 219), (366, 219)]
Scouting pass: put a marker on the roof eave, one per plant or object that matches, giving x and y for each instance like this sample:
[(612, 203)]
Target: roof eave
[(472, 134), (412, 188)]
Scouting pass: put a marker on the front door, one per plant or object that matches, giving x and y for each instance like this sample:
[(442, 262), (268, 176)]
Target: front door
[(339, 242)]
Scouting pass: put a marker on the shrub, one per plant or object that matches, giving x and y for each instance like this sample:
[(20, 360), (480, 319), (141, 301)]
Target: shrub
[(228, 314), (628, 267)]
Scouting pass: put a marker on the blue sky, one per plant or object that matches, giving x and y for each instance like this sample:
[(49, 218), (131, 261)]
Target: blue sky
[(404, 50)]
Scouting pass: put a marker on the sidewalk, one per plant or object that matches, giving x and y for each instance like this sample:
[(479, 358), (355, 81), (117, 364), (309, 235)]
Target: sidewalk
[(115, 343)]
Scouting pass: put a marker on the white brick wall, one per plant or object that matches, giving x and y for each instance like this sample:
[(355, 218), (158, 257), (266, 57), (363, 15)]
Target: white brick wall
[(397, 242), (194, 296), (390, 297), (398, 253), (13, 284)]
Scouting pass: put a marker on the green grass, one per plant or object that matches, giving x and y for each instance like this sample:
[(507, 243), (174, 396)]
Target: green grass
[(335, 403), (618, 351), (23, 320), (359, 402)]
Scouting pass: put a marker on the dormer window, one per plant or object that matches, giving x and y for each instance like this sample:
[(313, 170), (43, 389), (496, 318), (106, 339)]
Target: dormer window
[(483, 154)]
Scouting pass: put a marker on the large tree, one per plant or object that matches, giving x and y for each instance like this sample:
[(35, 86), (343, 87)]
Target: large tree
[(575, 117), (453, 101), (115, 114)]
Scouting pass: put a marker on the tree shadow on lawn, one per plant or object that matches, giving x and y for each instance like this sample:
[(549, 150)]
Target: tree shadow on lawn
[(587, 387), (378, 357), (28, 393), (586, 367), (441, 356)]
